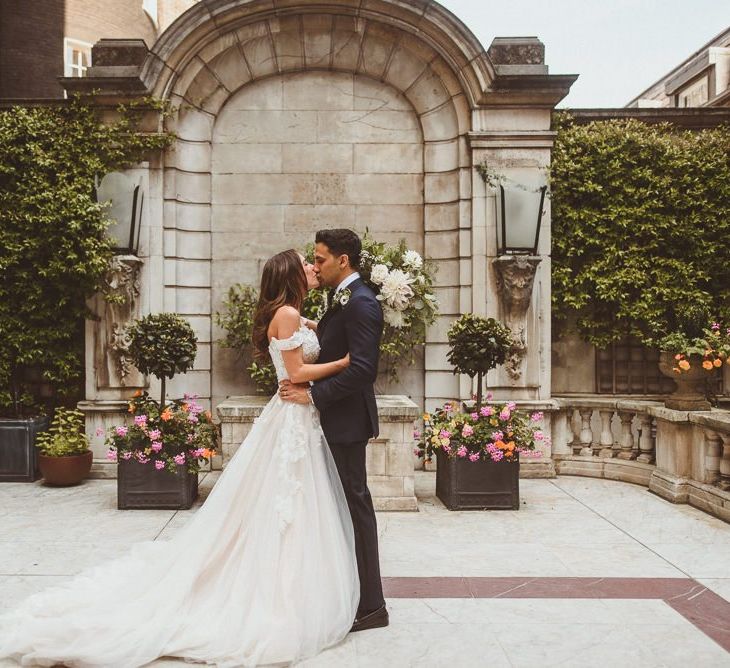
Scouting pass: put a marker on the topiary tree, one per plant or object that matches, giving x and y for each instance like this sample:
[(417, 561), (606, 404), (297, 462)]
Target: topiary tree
[(54, 251), (162, 344), (477, 345)]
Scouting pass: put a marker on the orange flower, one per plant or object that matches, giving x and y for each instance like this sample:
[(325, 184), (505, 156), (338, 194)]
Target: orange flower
[(511, 446), (208, 453), (185, 407), (684, 364), (166, 415), (707, 365), (500, 444), (138, 393), (717, 362)]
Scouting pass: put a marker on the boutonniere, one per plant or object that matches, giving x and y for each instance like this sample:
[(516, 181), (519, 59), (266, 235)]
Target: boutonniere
[(341, 299)]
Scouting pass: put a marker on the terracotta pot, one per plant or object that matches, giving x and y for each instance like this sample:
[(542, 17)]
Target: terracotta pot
[(690, 394), (65, 471)]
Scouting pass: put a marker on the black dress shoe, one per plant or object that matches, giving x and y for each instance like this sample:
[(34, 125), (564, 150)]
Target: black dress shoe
[(373, 620)]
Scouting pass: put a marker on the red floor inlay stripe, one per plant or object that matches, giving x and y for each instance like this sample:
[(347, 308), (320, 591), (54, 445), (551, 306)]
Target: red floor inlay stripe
[(703, 608)]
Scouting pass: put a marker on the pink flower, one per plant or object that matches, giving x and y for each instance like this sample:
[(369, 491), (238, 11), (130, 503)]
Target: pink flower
[(467, 431), (142, 458), (489, 396), (192, 417), (486, 411), (111, 455), (447, 448), (448, 406), (140, 420), (716, 326), (505, 414), (127, 454), (445, 433), (537, 416), (474, 456), (121, 430), (511, 405), (539, 436), (99, 431), (461, 451), (416, 433), (190, 438), (497, 455), (474, 416), (199, 452), (156, 446), (179, 459), (155, 435), (159, 464), (497, 436)]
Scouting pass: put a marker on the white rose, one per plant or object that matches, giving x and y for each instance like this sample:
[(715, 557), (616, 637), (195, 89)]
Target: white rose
[(412, 260), (396, 289), (378, 274), (393, 318)]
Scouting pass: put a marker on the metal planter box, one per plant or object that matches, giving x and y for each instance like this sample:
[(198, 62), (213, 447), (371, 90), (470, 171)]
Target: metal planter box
[(143, 486), (481, 485), (18, 454)]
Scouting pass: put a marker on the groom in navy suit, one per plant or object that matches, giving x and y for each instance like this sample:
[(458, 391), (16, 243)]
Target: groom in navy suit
[(352, 324)]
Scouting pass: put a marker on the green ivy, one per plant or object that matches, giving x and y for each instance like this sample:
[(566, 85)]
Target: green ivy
[(53, 248), (640, 223)]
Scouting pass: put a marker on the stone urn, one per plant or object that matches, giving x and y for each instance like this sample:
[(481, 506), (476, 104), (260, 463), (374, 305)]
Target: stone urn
[(690, 394)]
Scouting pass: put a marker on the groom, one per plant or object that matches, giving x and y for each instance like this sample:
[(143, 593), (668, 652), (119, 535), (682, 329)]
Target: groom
[(352, 324)]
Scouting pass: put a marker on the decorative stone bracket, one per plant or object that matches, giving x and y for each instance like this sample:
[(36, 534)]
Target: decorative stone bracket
[(515, 278)]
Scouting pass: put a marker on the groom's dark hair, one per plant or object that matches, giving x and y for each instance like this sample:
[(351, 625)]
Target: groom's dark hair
[(341, 242)]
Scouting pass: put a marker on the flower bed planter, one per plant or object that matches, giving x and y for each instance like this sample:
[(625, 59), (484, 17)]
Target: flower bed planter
[(18, 454), (65, 471), (480, 485), (143, 486)]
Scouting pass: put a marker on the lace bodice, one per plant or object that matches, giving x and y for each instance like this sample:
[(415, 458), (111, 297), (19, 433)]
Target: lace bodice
[(304, 337)]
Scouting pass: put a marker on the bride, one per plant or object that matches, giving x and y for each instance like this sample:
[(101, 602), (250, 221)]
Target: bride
[(264, 572)]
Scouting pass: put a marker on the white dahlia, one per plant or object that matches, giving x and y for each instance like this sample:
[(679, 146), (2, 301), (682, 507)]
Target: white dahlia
[(396, 290), (378, 274), (393, 318), (412, 260)]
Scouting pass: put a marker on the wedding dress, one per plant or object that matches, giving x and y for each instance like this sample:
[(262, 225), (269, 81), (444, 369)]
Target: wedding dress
[(263, 573)]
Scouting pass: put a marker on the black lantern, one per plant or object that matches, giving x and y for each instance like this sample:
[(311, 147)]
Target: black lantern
[(125, 200), (519, 219)]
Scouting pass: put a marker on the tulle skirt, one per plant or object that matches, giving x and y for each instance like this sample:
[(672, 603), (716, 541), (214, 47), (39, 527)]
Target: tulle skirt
[(263, 573)]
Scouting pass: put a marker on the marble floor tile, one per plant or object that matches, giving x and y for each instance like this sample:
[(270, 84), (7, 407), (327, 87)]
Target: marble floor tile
[(720, 586)]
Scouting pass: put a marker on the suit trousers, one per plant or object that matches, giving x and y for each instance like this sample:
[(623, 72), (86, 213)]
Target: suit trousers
[(350, 461)]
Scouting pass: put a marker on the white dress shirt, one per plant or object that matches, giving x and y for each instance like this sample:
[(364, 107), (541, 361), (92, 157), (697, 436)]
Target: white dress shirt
[(345, 282)]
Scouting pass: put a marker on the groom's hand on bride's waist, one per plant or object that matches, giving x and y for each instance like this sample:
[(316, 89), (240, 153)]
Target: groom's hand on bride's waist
[(297, 394)]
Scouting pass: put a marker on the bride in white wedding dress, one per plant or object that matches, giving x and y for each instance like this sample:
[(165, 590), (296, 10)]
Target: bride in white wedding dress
[(263, 573)]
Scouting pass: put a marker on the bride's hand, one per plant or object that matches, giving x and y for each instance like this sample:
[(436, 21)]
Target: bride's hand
[(345, 361)]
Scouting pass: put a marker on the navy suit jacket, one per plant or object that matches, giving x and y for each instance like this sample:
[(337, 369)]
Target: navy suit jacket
[(346, 402)]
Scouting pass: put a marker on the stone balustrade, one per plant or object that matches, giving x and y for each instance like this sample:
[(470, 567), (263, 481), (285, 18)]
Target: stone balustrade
[(389, 457), (682, 456)]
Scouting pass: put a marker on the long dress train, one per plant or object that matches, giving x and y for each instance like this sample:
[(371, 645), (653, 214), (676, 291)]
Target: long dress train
[(263, 573)]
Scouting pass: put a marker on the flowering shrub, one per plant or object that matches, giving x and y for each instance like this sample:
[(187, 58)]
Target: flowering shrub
[(713, 346), (403, 282), (182, 434), (494, 431)]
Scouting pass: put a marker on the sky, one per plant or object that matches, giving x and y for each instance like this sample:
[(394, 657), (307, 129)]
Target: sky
[(618, 47)]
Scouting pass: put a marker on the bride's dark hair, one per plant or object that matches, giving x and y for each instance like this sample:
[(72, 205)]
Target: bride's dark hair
[(283, 283)]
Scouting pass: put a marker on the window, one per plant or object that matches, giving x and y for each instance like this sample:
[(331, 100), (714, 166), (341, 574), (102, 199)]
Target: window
[(77, 57), (629, 367)]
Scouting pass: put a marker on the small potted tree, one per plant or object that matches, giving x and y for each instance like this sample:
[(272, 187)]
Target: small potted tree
[(160, 454), (64, 456), (478, 447)]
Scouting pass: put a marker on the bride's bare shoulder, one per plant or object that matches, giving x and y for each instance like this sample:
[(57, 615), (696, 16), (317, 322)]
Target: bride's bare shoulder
[(286, 314)]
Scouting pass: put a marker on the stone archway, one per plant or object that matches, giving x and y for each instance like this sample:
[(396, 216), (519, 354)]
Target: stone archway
[(377, 54)]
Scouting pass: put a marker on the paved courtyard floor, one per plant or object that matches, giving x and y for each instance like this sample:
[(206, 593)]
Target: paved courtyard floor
[(587, 573)]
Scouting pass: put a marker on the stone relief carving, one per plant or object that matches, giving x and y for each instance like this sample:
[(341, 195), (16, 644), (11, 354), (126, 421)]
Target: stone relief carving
[(114, 368), (515, 278)]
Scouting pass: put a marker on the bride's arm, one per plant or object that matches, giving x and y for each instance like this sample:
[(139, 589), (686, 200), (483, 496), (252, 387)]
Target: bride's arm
[(311, 324), (285, 323)]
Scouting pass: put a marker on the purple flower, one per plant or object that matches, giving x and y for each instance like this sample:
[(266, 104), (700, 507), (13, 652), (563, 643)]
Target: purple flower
[(155, 435), (111, 455), (467, 431), (461, 451), (497, 455), (156, 446), (121, 430), (416, 433), (179, 459), (140, 420), (159, 464)]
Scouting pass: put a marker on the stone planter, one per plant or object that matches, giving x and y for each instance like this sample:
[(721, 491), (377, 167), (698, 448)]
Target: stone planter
[(18, 454), (690, 393), (143, 486), (65, 471), (482, 485)]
